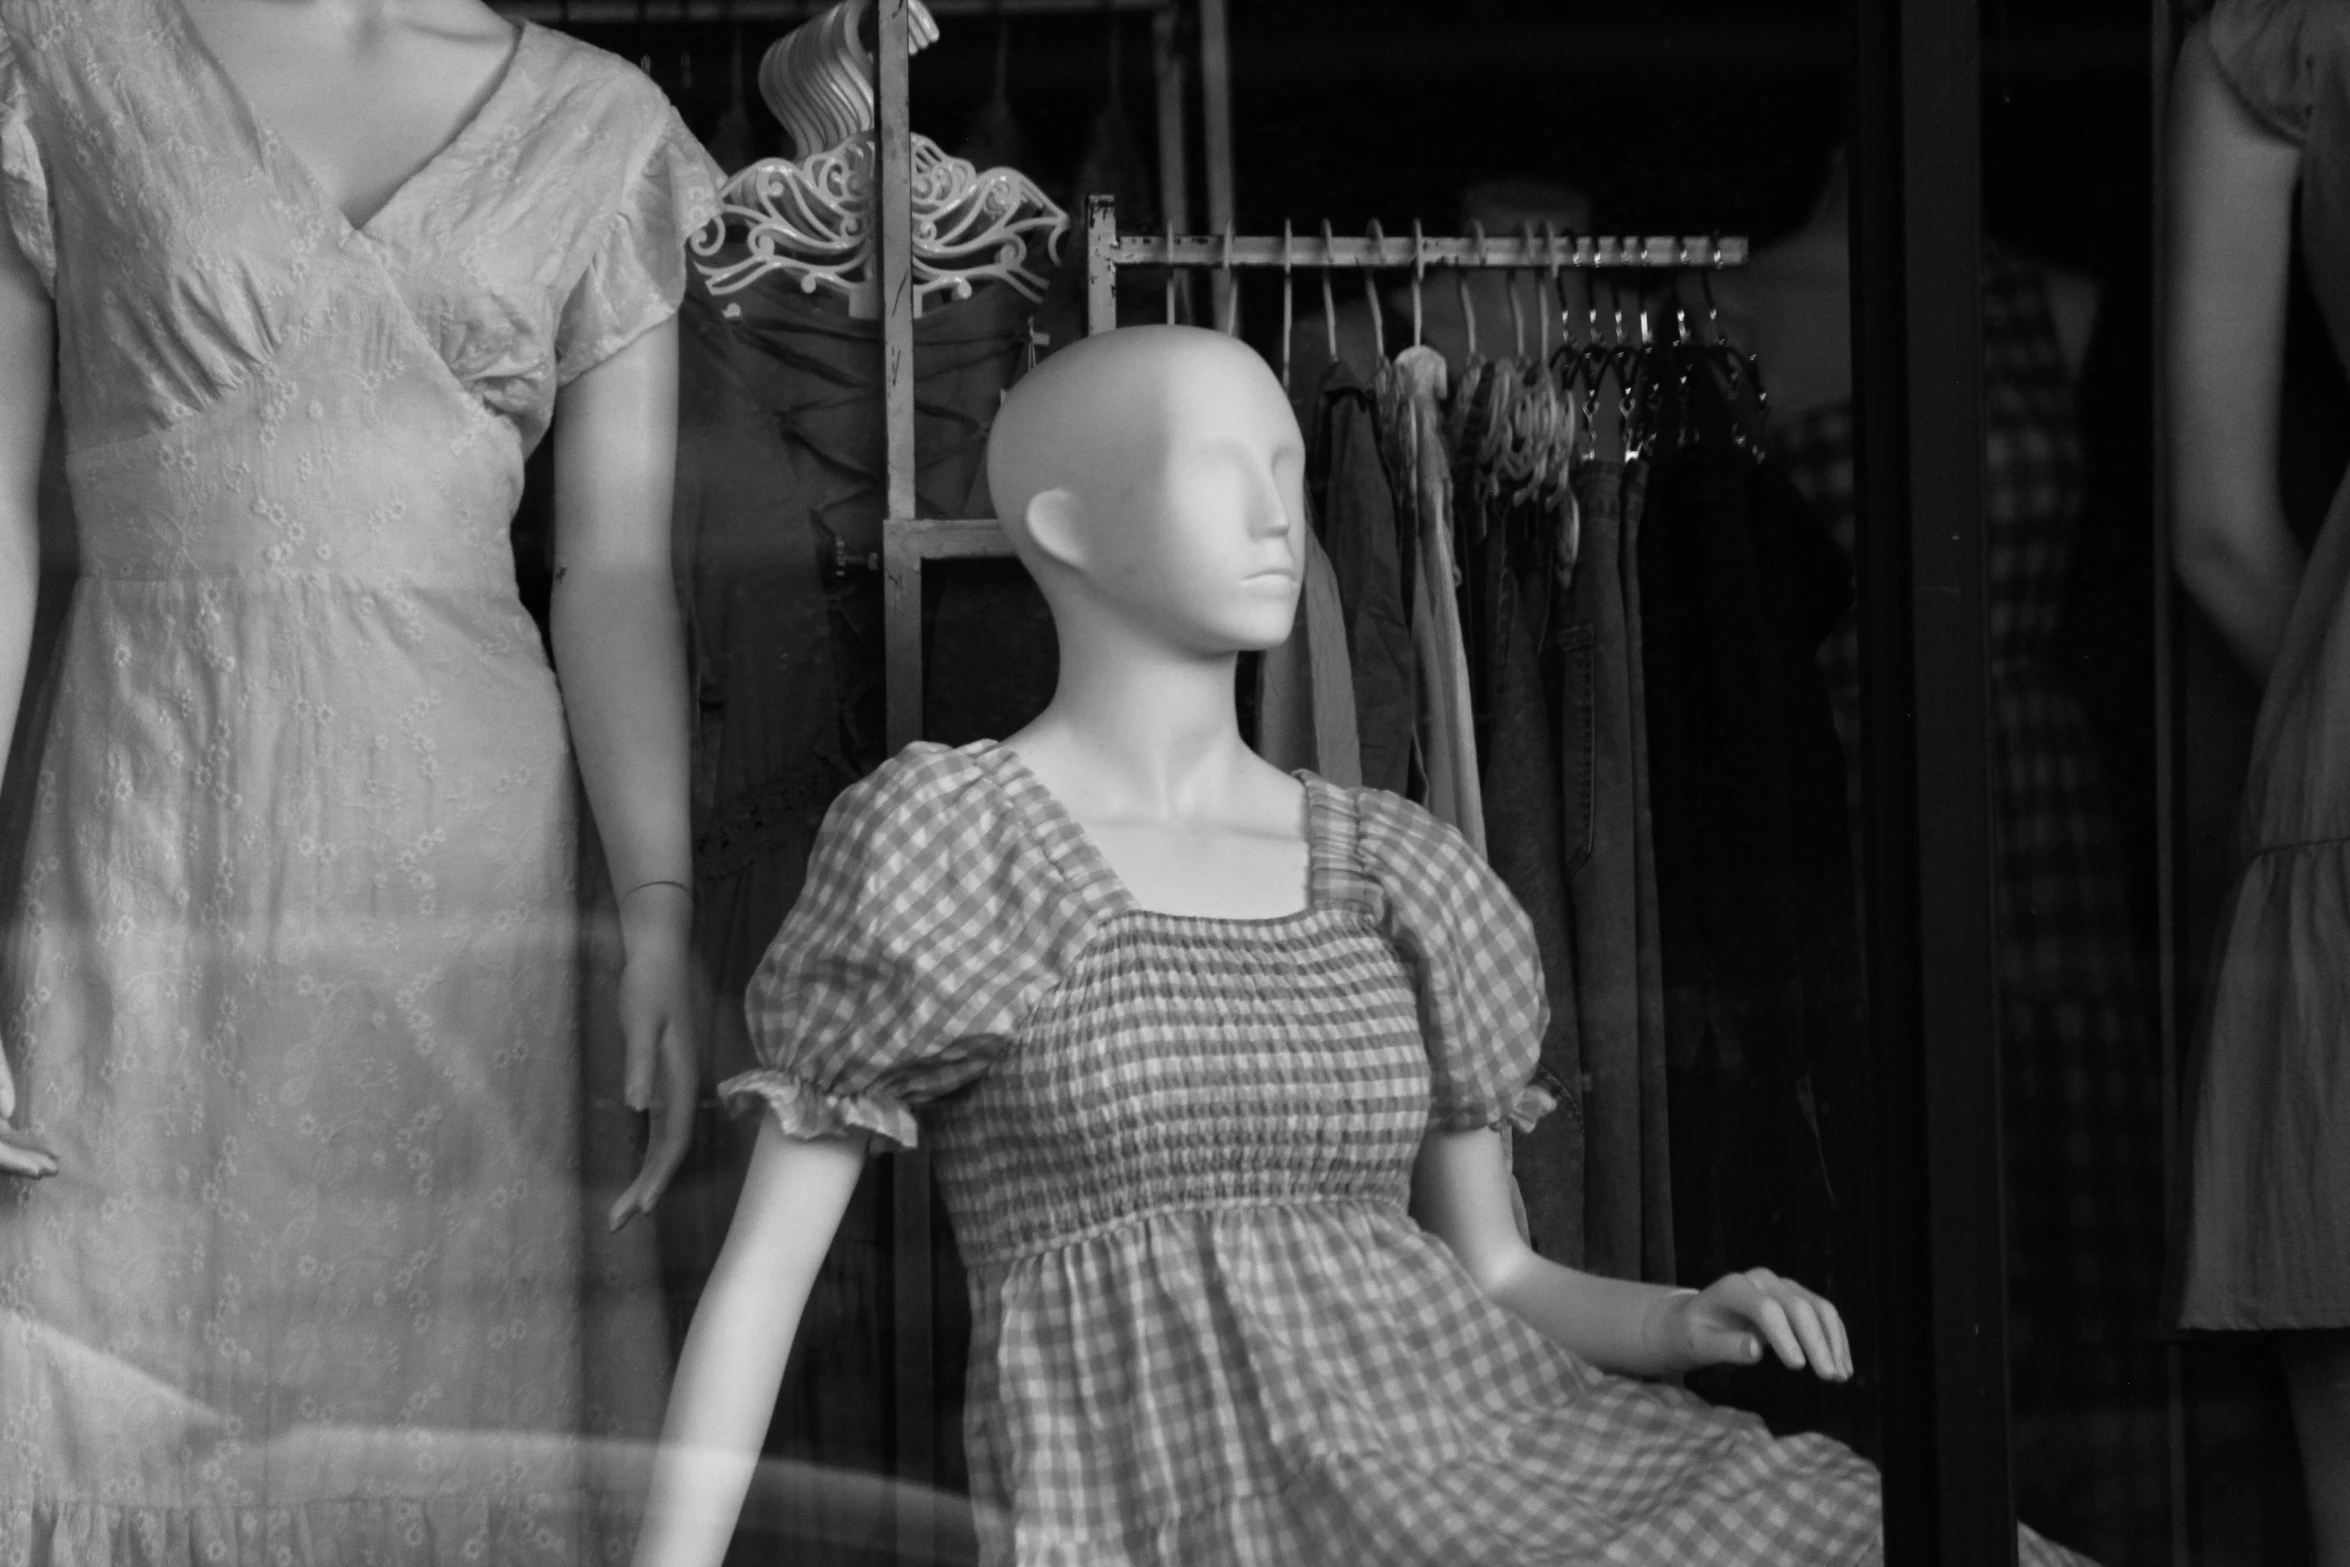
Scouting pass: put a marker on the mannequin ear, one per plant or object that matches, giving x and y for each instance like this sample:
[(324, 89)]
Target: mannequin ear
[(1056, 526)]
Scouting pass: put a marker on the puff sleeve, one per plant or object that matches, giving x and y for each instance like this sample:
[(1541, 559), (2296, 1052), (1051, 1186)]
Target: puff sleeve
[(1471, 951), (928, 928), (636, 268), (24, 185), (2264, 52)]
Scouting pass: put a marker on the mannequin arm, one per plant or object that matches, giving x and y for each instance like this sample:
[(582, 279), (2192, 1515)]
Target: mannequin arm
[(741, 1338), (27, 338), (2232, 182), (620, 650), (1460, 1192)]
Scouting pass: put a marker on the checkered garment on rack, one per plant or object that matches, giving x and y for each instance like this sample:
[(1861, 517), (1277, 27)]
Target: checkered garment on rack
[(1177, 1152), (2082, 1074)]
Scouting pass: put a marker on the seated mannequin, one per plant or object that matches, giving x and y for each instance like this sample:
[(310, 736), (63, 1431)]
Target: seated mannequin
[(1214, 1059)]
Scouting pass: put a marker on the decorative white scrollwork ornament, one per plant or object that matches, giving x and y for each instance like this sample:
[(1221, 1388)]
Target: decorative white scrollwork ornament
[(812, 220)]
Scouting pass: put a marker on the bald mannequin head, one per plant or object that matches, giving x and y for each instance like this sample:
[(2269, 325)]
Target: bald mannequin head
[(1155, 473)]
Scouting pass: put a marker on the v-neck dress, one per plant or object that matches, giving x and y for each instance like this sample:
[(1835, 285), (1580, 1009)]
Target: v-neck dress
[(298, 984), (1177, 1155)]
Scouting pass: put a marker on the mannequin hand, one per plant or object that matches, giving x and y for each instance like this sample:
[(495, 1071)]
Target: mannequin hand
[(1732, 1318), (19, 1154), (657, 1017)]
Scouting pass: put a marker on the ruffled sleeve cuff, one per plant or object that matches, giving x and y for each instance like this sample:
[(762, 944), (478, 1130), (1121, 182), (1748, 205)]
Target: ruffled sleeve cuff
[(803, 1110), (1521, 1109), (24, 185)]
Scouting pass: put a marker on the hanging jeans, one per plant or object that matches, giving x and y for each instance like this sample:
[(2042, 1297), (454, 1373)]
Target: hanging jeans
[(1627, 1212), (1354, 510), (1738, 588)]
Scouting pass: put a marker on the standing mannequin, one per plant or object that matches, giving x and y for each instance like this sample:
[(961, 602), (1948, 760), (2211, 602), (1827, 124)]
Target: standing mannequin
[(2261, 108), (1191, 1035), (299, 987)]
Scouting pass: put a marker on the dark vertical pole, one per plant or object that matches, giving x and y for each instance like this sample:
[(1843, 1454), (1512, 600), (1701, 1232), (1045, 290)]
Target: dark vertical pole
[(910, 1280), (1917, 238)]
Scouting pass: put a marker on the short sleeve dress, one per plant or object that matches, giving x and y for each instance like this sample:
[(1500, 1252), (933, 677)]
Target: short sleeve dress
[(1177, 1154), (2265, 1235), (298, 982)]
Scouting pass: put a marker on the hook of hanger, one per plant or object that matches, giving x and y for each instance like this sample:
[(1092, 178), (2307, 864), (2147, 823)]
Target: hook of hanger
[(1288, 301), (1460, 284), (1329, 298), (1231, 321), (1419, 276), (1517, 315), (1371, 292)]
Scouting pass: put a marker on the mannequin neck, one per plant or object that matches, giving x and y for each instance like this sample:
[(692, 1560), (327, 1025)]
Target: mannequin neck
[(1134, 728)]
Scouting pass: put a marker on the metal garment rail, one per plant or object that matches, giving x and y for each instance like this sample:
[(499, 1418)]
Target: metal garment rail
[(909, 541)]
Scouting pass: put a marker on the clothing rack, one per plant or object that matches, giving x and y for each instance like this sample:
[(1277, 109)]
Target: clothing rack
[(909, 541)]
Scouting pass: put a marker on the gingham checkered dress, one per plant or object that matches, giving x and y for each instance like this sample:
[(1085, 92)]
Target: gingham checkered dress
[(1177, 1153)]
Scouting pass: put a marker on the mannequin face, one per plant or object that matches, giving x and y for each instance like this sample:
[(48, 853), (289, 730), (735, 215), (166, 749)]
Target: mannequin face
[(1166, 486), (1210, 548)]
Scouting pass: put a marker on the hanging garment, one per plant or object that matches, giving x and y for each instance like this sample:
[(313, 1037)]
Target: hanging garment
[(1627, 1194), (1354, 509), (2079, 1068), (1305, 689), (1760, 954), (299, 985), (1654, 1192), (1411, 409), (1509, 554)]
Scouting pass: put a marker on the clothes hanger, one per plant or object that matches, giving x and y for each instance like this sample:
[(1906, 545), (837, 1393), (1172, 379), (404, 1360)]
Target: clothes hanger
[(1329, 295), (1460, 284), (1518, 316), (1419, 278), (1371, 295), (1288, 302)]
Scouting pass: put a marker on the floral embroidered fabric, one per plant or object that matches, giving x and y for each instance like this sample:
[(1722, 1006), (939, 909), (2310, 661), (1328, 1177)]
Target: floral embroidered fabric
[(297, 987)]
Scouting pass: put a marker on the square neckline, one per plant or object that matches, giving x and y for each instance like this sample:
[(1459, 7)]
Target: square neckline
[(271, 149), (1063, 835)]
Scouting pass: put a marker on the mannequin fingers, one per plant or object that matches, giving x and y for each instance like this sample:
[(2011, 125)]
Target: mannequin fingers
[(1839, 1341), (1804, 1312), (22, 1156), (7, 1089), (1771, 1317)]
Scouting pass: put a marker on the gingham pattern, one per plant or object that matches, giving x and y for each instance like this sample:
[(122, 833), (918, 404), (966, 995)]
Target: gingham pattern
[(2082, 1117), (1206, 1330)]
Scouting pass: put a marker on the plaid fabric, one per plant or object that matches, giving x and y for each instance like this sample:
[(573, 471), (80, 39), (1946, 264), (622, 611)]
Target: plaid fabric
[(1177, 1153), (2082, 1076), (2082, 1123)]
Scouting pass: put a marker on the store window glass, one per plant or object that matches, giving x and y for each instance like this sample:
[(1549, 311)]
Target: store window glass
[(368, 875)]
